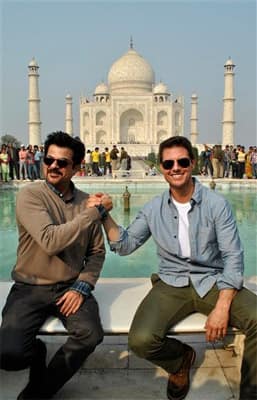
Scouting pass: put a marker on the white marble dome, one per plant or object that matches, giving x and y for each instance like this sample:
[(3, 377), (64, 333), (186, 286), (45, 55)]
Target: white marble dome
[(33, 63), (229, 62), (161, 88), (101, 88), (131, 73)]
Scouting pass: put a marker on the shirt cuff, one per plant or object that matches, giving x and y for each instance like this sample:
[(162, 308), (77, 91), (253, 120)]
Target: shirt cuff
[(82, 287)]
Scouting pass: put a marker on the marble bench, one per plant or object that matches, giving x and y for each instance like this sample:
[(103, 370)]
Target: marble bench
[(118, 299)]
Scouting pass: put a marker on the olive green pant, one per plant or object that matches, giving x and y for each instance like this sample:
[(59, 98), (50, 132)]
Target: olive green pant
[(166, 305)]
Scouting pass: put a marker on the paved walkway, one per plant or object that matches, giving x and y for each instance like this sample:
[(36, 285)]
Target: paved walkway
[(113, 373)]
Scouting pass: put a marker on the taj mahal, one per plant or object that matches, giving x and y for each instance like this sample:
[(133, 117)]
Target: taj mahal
[(131, 109)]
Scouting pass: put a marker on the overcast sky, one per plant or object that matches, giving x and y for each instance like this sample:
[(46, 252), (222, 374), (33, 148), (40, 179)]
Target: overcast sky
[(76, 42)]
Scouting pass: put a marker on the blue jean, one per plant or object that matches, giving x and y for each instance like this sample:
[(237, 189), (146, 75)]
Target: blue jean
[(166, 305), (32, 171), (26, 309), (254, 169), (23, 169)]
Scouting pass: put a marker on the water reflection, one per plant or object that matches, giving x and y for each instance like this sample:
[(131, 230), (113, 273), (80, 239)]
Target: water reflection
[(7, 210), (243, 205), (143, 262)]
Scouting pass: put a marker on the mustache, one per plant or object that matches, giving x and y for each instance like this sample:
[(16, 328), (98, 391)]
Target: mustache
[(54, 170)]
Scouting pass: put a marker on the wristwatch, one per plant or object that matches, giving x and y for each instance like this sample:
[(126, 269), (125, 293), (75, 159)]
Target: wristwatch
[(103, 212)]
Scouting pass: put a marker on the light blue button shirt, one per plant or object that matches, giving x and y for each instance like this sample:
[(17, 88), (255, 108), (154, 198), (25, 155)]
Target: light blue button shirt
[(216, 250)]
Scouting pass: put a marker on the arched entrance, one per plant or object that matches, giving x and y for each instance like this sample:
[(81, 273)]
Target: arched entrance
[(132, 127)]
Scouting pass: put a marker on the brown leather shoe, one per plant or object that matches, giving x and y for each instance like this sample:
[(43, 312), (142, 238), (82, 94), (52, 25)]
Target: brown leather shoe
[(178, 383)]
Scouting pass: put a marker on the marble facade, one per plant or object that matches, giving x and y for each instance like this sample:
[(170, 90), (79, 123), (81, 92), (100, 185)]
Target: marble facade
[(131, 110)]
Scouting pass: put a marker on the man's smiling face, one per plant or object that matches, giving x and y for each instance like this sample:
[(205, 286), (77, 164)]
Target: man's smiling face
[(177, 176), (58, 176)]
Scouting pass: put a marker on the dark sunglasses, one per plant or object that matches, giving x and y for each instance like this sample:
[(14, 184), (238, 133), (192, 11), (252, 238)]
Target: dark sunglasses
[(62, 163), (182, 162)]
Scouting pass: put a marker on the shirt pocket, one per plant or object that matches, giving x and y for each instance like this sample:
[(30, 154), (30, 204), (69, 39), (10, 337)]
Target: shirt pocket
[(206, 237)]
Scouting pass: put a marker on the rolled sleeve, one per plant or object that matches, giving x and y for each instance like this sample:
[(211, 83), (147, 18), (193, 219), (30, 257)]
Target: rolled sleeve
[(133, 237), (82, 287)]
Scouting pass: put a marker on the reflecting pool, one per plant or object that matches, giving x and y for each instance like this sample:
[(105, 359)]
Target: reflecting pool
[(144, 261)]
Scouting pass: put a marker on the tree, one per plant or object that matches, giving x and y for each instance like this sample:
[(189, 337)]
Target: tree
[(5, 139), (196, 167), (151, 157)]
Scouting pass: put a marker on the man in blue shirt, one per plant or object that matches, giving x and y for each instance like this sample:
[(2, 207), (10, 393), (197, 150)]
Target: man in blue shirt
[(200, 269)]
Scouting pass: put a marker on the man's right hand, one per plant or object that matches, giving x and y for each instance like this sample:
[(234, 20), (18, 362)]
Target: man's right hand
[(94, 200)]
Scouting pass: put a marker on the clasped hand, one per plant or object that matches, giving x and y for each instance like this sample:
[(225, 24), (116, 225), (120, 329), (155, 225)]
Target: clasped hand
[(100, 198)]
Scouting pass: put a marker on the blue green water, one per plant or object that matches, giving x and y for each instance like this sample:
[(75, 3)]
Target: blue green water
[(144, 261)]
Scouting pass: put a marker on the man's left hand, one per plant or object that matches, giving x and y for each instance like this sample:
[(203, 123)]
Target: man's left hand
[(70, 302)]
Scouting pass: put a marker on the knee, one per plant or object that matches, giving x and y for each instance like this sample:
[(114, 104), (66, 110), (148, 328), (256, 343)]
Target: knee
[(90, 337), (142, 343), (251, 326), (95, 337)]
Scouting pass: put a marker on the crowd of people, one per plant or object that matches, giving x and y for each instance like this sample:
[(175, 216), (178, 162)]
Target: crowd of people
[(26, 162), (99, 163), (230, 162)]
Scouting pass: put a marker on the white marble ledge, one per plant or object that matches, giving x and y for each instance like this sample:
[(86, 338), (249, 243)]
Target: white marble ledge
[(118, 300)]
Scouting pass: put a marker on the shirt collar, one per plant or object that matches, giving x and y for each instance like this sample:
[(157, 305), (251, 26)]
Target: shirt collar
[(59, 194), (197, 195)]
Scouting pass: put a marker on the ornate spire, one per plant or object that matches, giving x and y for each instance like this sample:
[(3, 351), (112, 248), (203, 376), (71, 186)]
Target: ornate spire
[(131, 42)]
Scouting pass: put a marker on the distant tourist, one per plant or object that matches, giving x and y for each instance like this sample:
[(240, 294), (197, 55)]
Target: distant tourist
[(95, 161), (38, 160), (88, 163), (152, 170), (123, 161), (4, 163), (23, 162), (13, 154), (254, 162), (107, 165), (114, 160)]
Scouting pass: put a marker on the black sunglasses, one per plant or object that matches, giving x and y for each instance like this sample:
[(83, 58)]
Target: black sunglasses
[(182, 162), (62, 163)]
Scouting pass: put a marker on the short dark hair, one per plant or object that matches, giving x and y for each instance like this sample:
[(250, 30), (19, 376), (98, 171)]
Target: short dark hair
[(176, 141), (62, 139)]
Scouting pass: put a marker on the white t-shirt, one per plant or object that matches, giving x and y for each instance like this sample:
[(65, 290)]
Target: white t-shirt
[(183, 234)]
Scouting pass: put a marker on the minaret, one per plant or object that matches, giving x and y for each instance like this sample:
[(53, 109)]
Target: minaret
[(193, 120), (68, 115), (228, 104), (34, 105)]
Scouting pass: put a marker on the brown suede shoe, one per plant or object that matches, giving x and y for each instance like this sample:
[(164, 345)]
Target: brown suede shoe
[(178, 383)]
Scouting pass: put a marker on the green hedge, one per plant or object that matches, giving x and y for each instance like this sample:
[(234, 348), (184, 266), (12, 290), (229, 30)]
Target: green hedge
[(152, 157)]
